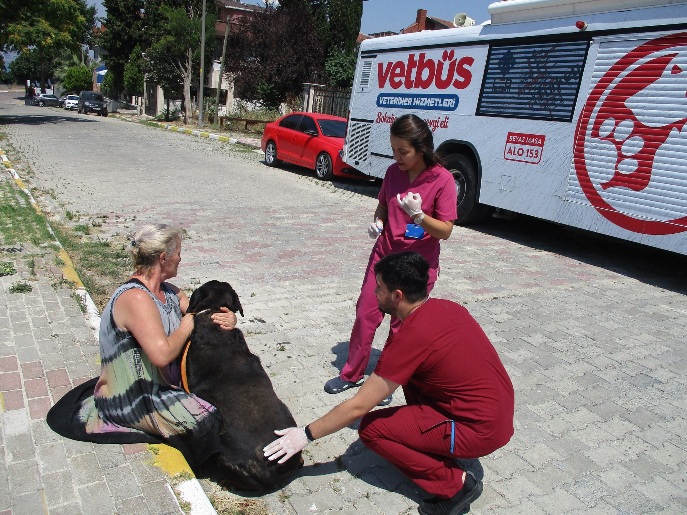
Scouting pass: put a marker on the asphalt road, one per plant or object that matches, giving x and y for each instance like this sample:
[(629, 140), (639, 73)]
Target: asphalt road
[(592, 330)]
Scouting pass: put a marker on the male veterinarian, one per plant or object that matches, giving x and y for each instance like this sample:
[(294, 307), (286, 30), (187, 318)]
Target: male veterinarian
[(459, 397)]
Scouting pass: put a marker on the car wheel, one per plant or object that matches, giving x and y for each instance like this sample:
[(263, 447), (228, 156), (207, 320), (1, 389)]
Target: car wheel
[(324, 167), (41, 104), (463, 170), (271, 154)]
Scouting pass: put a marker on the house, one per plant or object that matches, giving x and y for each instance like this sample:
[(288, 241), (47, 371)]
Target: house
[(422, 22), (233, 13)]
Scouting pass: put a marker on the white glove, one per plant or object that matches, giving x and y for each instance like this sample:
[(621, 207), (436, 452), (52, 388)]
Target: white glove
[(375, 228), (411, 204), (292, 441)]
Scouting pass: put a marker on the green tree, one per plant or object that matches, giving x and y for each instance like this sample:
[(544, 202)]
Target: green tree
[(124, 30), (263, 67), (343, 19), (134, 73), (27, 67), (322, 47), (78, 78), (174, 55), (11, 11), (107, 87), (340, 68), (45, 29)]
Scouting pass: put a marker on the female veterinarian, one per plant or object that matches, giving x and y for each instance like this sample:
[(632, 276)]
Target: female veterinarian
[(417, 207), (143, 330)]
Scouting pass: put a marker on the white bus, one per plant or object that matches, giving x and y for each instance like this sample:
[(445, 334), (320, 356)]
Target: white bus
[(573, 111)]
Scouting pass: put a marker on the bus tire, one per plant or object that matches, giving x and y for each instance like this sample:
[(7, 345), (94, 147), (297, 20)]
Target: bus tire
[(464, 173)]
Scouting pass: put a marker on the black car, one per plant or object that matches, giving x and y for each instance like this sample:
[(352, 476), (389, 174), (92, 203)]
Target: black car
[(92, 102)]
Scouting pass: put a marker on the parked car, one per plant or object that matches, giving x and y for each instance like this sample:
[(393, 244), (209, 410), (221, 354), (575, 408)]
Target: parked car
[(71, 102), (92, 102), (46, 99), (311, 140)]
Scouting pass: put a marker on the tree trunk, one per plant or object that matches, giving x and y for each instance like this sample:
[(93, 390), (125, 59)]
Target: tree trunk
[(41, 57), (187, 85)]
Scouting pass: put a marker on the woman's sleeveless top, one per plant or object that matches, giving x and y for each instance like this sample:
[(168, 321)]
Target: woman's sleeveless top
[(132, 394)]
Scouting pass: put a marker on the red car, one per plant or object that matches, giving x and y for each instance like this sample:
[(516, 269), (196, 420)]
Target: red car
[(311, 140)]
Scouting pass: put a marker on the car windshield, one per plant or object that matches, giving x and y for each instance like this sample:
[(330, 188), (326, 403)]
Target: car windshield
[(332, 128), (72, 97), (93, 96)]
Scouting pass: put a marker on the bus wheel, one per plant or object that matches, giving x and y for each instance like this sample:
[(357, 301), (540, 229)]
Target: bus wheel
[(465, 175)]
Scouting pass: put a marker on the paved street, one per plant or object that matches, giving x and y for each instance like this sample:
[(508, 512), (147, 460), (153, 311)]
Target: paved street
[(591, 330)]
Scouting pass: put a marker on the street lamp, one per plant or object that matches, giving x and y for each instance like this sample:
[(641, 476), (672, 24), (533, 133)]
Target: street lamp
[(202, 63)]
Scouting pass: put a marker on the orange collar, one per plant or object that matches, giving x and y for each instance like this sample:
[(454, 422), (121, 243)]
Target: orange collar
[(184, 379)]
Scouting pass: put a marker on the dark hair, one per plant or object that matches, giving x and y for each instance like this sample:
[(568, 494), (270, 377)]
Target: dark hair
[(415, 130), (405, 271)]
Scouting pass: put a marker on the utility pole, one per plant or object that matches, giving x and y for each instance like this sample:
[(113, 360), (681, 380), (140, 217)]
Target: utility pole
[(202, 63), (221, 71)]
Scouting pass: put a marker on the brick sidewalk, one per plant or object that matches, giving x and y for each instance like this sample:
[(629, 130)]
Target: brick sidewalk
[(46, 349)]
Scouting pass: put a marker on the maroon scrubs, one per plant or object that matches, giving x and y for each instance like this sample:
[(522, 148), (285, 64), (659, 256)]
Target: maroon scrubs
[(437, 188), (460, 398)]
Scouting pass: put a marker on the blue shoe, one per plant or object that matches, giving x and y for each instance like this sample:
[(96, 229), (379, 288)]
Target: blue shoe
[(385, 401), (338, 385)]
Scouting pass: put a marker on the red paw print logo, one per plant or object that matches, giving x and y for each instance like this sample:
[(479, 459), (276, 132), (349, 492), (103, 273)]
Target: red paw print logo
[(634, 121)]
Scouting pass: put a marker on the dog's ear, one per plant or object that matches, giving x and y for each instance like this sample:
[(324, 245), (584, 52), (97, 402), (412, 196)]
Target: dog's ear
[(236, 303), (195, 299), (232, 299)]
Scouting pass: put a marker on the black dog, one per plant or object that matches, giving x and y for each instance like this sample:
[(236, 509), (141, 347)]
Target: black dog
[(222, 370)]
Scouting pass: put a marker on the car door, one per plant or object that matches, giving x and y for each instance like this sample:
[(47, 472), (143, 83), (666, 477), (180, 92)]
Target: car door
[(287, 148), (306, 141)]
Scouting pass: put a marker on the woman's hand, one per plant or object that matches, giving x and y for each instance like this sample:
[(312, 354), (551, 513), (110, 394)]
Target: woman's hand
[(375, 229), (411, 203), (225, 319)]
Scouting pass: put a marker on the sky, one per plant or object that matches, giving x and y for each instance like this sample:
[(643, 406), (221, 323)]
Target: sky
[(394, 15)]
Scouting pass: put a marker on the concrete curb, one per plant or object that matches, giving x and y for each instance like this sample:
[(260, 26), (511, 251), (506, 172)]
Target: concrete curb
[(248, 142), (167, 458)]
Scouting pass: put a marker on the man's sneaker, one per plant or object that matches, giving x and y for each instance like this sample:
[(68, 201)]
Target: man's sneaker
[(338, 385), (459, 503), (385, 401)]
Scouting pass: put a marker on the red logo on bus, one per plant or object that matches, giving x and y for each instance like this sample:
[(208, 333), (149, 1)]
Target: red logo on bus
[(627, 136), (420, 72)]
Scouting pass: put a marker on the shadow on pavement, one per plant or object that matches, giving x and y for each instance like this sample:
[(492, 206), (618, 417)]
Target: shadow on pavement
[(340, 352), (45, 119), (646, 264), (367, 187)]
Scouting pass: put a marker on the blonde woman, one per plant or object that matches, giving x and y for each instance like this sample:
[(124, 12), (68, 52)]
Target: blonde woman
[(143, 330)]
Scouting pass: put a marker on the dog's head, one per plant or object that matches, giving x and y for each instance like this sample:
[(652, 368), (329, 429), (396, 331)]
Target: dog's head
[(214, 295)]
